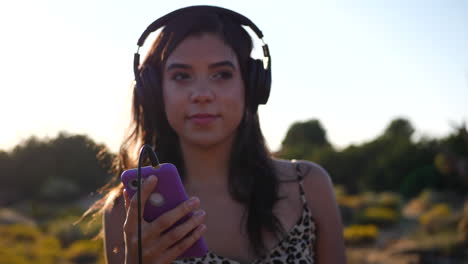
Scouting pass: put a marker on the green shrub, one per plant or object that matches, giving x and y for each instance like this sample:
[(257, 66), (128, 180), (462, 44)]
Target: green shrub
[(360, 234), (85, 251), (352, 201), (439, 210), (339, 191), (65, 231), (438, 217), (389, 200), (380, 216), (21, 244)]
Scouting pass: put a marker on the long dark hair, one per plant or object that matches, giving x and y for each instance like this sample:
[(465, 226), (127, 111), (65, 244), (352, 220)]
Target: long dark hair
[(252, 180)]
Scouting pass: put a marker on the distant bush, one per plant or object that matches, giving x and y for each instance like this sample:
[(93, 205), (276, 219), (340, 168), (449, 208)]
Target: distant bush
[(60, 169), (462, 225), (437, 211), (68, 229), (389, 199), (339, 191), (420, 178), (436, 218), (380, 216), (21, 244), (360, 234), (85, 251), (352, 201), (65, 231)]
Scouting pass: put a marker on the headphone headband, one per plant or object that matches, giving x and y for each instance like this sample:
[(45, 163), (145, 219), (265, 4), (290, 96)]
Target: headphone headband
[(198, 8)]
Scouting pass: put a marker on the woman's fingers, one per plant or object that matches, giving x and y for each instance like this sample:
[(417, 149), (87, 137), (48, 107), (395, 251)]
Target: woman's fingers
[(158, 239), (132, 204), (168, 219), (176, 250), (177, 233)]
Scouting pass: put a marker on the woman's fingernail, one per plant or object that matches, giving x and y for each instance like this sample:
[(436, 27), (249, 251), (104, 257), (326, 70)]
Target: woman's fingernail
[(199, 214), (192, 201), (201, 228)]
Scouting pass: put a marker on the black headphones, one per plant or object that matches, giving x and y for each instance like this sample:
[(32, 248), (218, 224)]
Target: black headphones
[(259, 79)]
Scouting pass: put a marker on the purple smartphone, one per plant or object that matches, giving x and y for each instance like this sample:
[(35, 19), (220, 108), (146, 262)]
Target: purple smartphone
[(168, 194)]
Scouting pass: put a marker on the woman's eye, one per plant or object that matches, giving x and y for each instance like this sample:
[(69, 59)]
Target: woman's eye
[(180, 76), (224, 75)]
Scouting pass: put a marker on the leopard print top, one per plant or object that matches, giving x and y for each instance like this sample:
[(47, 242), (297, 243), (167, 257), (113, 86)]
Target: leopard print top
[(296, 247)]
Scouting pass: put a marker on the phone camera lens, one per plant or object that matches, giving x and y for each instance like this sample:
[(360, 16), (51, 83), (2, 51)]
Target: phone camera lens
[(134, 184)]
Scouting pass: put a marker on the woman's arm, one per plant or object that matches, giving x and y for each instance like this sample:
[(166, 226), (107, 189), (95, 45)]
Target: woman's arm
[(320, 196), (113, 221)]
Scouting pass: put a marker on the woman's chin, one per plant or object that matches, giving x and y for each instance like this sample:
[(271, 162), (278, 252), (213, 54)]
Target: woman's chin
[(207, 141)]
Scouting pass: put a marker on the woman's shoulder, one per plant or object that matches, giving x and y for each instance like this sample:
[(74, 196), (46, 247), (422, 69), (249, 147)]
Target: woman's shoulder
[(292, 170), (316, 183), (320, 197)]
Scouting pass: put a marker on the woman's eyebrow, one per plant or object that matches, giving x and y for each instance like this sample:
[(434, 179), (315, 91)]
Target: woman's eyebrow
[(178, 66), (222, 63), (211, 66)]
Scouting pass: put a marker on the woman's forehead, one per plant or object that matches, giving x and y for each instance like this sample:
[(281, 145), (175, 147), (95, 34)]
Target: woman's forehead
[(207, 47)]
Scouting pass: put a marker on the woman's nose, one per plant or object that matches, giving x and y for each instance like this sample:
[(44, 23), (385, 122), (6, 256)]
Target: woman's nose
[(202, 94)]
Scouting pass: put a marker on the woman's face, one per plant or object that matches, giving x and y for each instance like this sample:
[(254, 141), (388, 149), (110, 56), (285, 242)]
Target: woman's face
[(203, 91)]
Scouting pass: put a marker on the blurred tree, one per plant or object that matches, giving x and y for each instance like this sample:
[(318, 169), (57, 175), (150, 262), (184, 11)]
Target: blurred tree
[(399, 128), (63, 168), (393, 155), (452, 159), (380, 164), (420, 179), (76, 157), (32, 164), (7, 179), (303, 139)]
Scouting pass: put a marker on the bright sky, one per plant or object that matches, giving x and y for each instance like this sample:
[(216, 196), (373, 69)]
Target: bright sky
[(355, 65)]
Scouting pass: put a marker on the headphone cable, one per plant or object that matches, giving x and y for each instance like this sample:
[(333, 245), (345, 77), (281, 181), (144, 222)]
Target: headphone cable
[(154, 162)]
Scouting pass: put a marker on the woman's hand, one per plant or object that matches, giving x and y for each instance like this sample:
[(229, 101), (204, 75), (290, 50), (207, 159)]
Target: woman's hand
[(159, 247)]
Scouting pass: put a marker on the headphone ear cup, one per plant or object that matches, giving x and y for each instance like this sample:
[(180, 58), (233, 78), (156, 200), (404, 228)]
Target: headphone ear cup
[(145, 86), (253, 84), (260, 81), (266, 82)]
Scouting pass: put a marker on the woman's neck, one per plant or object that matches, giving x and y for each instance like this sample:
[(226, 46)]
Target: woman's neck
[(206, 166)]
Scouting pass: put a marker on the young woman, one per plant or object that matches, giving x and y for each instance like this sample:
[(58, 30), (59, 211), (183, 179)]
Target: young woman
[(196, 104)]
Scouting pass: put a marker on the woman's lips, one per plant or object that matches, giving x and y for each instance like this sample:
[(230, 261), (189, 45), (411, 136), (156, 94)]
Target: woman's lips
[(203, 119)]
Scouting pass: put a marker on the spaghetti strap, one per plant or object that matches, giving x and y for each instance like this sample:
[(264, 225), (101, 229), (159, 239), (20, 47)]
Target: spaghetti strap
[(300, 178)]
